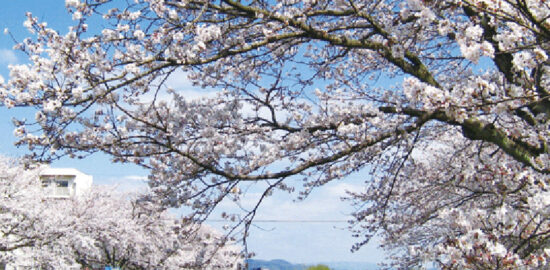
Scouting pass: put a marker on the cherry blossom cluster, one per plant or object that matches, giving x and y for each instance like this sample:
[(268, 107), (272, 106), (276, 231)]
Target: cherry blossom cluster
[(101, 227)]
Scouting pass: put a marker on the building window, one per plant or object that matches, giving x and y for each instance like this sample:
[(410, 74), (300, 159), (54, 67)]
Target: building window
[(58, 186)]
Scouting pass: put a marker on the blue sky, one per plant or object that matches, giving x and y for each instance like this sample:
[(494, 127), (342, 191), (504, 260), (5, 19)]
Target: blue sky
[(290, 239)]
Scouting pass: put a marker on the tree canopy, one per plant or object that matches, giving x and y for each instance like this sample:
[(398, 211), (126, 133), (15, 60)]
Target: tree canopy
[(98, 228), (318, 267), (443, 103)]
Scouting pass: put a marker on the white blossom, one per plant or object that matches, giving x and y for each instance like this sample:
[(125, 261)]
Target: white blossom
[(72, 3), (77, 15)]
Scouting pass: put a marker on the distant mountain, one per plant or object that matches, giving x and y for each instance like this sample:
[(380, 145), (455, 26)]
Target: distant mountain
[(351, 266), (284, 265), (274, 265)]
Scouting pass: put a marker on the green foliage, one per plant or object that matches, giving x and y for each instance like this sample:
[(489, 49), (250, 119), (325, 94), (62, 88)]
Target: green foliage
[(319, 267)]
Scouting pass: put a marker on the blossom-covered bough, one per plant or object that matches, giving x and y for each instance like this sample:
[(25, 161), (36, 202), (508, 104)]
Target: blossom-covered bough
[(444, 103)]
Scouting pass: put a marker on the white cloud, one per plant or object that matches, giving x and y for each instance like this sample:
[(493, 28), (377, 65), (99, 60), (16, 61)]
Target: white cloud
[(323, 204), (128, 183), (179, 82), (8, 57), (138, 178), (341, 189), (309, 231)]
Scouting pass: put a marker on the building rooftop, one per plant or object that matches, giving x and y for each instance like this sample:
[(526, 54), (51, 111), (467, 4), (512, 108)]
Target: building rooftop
[(60, 171)]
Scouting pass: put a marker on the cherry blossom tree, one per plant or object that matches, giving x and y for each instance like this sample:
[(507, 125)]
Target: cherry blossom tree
[(22, 208), (111, 230), (101, 227), (444, 103)]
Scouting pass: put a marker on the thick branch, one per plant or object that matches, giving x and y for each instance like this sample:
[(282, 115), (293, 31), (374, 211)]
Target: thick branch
[(476, 129), (412, 65)]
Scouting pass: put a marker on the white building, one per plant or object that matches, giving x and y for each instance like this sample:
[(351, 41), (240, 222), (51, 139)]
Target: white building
[(65, 182)]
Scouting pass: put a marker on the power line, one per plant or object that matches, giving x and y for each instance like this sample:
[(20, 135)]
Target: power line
[(286, 220)]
